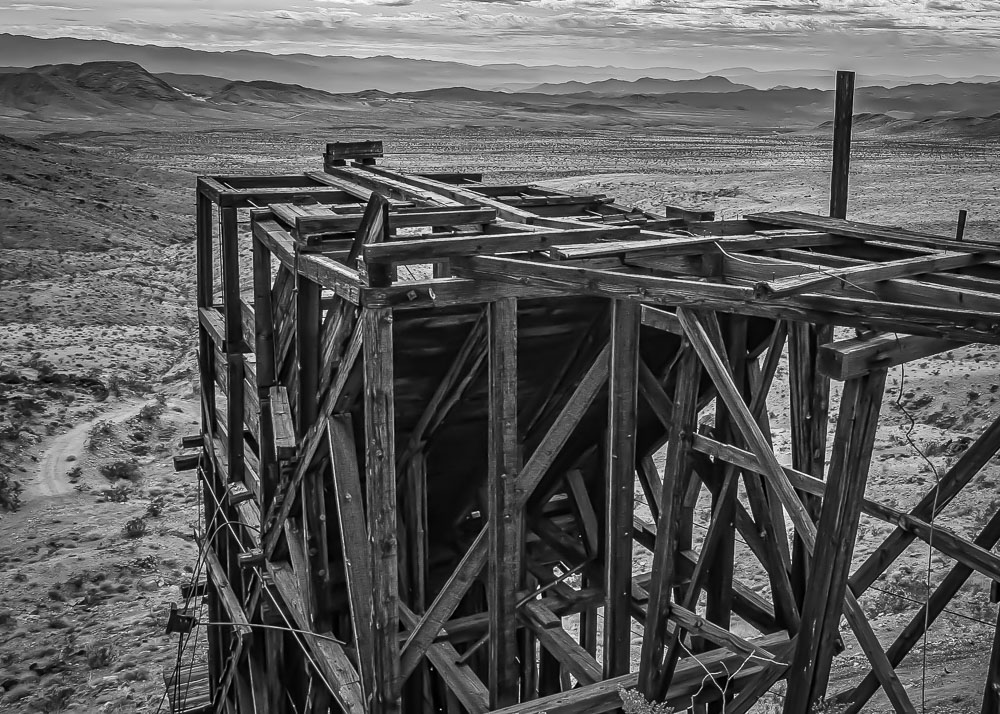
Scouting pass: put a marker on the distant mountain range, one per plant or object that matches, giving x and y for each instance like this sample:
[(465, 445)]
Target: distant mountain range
[(133, 97), (396, 74)]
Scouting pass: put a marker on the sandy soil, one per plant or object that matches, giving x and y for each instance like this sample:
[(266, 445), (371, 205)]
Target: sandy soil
[(97, 320)]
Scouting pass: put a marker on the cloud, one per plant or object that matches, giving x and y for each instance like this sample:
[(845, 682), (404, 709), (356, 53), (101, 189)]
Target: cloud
[(763, 33)]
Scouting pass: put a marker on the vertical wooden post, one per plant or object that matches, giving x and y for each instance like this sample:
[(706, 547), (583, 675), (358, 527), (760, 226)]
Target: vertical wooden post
[(835, 538), (234, 340), (266, 377), (963, 215), (380, 460), (842, 121), (206, 350), (809, 395), (623, 381), (307, 347), (506, 520)]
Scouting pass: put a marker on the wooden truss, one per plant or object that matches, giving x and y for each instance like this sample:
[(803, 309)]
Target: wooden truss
[(431, 407)]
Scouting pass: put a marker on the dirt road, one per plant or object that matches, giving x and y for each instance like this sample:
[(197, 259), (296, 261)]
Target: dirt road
[(52, 466)]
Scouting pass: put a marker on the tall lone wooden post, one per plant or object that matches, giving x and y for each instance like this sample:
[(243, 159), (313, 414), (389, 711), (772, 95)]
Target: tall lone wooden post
[(843, 118)]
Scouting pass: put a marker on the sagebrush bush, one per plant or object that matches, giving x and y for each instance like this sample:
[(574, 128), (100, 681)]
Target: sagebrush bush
[(135, 527), (118, 470), (10, 492)]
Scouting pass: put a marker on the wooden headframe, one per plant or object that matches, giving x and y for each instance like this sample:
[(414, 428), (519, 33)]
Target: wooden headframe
[(454, 445)]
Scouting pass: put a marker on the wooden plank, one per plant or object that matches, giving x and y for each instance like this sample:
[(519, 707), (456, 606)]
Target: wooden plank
[(446, 292), (212, 322), (309, 226), (285, 444), (332, 662), (506, 519), (698, 625), (863, 231), (381, 497), (428, 249), (837, 531), (623, 380), (854, 357), (353, 530), (548, 628), (344, 150), (868, 273), (230, 601), (661, 320), (682, 244)]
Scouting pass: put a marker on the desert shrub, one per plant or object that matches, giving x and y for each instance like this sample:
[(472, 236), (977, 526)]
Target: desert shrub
[(118, 470), (100, 433), (100, 655), (119, 494), (75, 473), (155, 507), (135, 527), (55, 699), (633, 702), (151, 411), (10, 492)]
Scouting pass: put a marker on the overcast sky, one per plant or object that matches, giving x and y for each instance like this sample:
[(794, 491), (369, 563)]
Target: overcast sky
[(952, 37)]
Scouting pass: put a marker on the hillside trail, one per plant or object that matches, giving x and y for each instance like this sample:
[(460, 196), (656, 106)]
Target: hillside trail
[(51, 479)]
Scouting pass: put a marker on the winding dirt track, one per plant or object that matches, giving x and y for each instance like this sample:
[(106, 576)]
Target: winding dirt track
[(52, 467)]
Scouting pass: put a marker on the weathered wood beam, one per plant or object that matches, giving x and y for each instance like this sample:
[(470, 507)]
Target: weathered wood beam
[(506, 516), (866, 274), (857, 356), (422, 251), (548, 628), (381, 497), (353, 531), (623, 382)]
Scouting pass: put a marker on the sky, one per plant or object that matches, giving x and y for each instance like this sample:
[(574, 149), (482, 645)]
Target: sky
[(950, 37)]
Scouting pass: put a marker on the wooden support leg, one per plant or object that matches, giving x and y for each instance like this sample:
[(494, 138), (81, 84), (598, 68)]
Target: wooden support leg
[(234, 340), (621, 462), (381, 496), (506, 517), (652, 682), (809, 394), (836, 534)]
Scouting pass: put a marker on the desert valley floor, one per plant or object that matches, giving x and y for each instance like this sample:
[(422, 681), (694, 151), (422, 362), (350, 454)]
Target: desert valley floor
[(97, 374)]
